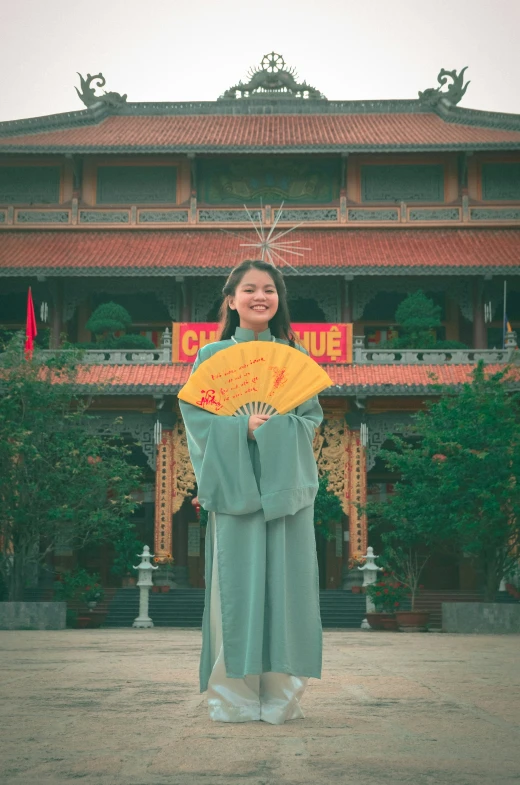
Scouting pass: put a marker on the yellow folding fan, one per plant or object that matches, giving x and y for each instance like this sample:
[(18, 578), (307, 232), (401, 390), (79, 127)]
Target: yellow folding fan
[(255, 377)]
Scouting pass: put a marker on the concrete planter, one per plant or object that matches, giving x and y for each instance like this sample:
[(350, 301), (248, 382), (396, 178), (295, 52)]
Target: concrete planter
[(33, 615), (485, 618)]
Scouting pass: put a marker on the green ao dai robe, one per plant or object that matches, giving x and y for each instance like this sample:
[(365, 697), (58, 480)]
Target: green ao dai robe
[(262, 495)]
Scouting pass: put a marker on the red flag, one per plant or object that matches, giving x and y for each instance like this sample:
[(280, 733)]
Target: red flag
[(30, 327)]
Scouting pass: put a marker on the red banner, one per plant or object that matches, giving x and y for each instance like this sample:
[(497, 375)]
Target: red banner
[(326, 343)]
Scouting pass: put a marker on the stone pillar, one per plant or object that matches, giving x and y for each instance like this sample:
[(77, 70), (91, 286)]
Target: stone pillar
[(346, 300), (186, 313), (479, 325), (56, 315), (180, 529)]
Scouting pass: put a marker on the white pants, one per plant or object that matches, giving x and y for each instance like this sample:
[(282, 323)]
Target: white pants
[(271, 697)]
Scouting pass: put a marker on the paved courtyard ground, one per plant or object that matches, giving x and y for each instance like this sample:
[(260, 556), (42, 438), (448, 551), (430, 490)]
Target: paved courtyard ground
[(121, 707)]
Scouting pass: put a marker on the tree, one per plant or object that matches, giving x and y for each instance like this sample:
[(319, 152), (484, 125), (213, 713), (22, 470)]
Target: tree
[(127, 548), (459, 478), (419, 318), (109, 318), (327, 509), (61, 483)]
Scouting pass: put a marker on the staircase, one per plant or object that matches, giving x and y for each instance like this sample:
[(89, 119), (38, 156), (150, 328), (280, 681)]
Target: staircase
[(184, 608), (342, 609), (176, 608)]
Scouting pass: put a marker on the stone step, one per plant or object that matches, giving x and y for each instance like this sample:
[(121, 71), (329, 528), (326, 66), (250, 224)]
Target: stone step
[(184, 608)]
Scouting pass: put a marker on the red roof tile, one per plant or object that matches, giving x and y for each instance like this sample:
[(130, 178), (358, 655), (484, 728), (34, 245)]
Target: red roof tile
[(178, 132), (383, 379), (166, 252)]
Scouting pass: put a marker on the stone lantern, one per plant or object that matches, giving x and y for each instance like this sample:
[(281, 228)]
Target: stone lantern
[(370, 570), (144, 582)]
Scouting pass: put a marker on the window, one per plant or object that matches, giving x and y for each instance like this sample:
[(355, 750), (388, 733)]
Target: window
[(30, 184), (137, 185), (402, 183)]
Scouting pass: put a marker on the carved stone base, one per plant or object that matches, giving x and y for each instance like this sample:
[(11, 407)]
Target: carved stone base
[(143, 624)]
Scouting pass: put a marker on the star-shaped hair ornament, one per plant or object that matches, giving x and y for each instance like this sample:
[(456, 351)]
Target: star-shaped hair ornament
[(270, 245)]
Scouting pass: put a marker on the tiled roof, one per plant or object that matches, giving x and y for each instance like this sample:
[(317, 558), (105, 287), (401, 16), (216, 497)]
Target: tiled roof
[(348, 379), (370, 251), (177, 133)]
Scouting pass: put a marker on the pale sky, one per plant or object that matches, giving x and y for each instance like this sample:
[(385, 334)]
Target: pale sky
[(159, 50)]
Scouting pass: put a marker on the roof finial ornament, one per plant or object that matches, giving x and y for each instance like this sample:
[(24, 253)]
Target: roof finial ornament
[(452, 95), (272, 79), (88, 93)]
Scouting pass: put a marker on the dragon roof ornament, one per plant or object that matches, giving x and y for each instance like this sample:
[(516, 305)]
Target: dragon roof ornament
[(272, 79), (455, 92), (88, 93)]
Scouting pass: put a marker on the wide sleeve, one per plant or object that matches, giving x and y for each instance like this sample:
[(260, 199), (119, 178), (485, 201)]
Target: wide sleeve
[(221, 460), (289, 476)]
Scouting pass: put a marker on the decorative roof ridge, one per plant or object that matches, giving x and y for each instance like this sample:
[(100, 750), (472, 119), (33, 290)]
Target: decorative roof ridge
[(56, 122), (258, 107), (506, 121), (254, 107), (276, 105)]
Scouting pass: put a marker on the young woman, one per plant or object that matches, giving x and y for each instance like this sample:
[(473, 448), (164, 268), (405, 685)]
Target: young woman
[(257, 477)]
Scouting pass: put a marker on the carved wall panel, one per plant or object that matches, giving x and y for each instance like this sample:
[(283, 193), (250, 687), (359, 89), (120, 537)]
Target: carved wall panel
[(402, 183), (494, 214), (331, 446), (42, 216), (379, 427), (104, 217), (136, 184), (30, 184), (183, 479), (501, 181), (138, 426), (269, 179)]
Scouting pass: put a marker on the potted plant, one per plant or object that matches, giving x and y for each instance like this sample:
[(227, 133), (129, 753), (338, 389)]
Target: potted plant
[(68, 584), (92, 595), (127, 549), (408, 564), (386, 595)]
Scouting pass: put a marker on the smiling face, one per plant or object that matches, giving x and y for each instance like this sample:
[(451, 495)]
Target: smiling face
[(255, 300)]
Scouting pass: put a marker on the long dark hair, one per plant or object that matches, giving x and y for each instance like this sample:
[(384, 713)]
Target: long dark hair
[(280, 324)]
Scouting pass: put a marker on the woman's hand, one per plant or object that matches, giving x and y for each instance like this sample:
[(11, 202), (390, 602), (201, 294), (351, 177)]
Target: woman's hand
[(255, 421)]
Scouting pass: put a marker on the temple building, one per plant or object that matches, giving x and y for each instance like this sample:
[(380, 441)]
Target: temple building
[(149, 205)]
